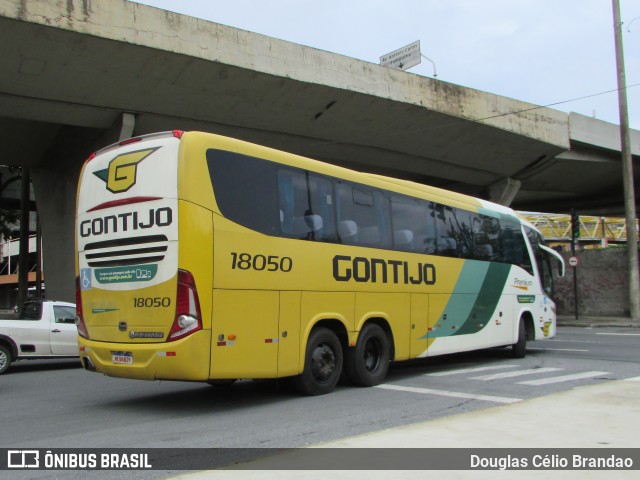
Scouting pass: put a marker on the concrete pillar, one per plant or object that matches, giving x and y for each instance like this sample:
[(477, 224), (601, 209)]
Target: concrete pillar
[(55, 192), (128, 124), (504, 191), (55, 183)]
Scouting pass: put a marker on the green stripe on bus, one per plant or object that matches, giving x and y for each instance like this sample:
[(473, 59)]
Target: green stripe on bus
[(473, 301), (487, 299)]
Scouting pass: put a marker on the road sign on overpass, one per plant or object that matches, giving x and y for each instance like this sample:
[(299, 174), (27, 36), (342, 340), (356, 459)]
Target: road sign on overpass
[(403, 58)]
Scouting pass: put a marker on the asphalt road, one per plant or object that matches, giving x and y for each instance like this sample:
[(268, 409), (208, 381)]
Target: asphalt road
[(56, 404)]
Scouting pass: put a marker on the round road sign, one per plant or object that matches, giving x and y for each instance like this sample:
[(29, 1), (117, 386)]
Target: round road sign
[(573, 261)]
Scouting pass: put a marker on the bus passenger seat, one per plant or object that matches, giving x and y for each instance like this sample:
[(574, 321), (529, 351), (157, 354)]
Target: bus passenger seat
[(370, 236), (307, 224), (403, 239), (348, 232), (484, 252)]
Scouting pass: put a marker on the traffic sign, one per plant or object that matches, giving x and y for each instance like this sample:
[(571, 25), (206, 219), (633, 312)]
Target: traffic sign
[(403, 58), (573, 261)]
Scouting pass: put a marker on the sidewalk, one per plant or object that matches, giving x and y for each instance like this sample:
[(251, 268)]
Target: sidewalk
[(606, 415), (597, 322)]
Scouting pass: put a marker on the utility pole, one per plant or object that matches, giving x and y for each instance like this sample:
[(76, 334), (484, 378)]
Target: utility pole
[(575, 234), (627, 170), (23, 257)]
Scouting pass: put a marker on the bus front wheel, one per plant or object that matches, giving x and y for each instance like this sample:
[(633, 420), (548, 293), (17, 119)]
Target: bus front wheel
[(322, 363), (367, 363), (519, 349)]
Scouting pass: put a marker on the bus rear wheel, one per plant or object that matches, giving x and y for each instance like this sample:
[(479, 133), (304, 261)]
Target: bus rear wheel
[(322, 363), (367, 364)]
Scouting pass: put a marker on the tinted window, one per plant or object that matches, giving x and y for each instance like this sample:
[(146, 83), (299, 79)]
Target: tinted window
[(363, 216), (413, 225), (486, 233), (31, 311), (541, 259), (284, 201), (514, 247), (306, 205), (464, 235), (245, 190), (447, 231)]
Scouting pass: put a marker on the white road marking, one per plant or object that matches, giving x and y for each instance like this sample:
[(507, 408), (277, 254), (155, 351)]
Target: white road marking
[(469, 370), (530, 371), (620, 334), (564, 378), (559, 349), (446, 393)]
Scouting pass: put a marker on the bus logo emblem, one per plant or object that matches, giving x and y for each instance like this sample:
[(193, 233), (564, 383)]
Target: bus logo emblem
[(122, 172)]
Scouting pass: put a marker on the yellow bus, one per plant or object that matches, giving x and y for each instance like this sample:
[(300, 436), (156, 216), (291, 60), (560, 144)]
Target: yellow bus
[(205, 258)]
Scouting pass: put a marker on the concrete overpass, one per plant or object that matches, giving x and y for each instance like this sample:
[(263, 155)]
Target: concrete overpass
[(79, 74)]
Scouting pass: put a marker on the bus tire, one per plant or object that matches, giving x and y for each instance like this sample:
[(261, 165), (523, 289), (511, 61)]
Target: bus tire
[(322, 363), (519, 349), (367, 363), (5, 359)]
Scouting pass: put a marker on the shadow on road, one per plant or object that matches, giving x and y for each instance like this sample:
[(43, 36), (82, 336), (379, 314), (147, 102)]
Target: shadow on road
[(22, 366)]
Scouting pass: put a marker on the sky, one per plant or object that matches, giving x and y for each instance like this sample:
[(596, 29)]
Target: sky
[(557, 53)]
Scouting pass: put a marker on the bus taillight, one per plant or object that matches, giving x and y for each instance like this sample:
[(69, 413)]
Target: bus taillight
[(188, 318), (82, 328)]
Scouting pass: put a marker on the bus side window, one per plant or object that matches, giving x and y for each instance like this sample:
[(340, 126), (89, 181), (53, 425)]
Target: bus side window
[(462, 219), (245, 189), (514, 249), (486, 232), (446, 236), (363, 216), (306, 205), (413, 227)]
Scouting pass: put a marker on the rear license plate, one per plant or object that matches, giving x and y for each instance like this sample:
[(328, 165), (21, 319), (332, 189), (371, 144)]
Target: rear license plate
[(122, 358)]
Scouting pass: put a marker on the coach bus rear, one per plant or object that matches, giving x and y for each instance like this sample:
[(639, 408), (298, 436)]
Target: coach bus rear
[(137, 289)]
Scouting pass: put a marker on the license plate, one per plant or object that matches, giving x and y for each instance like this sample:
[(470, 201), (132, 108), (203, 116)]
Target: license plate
[(122, 358)]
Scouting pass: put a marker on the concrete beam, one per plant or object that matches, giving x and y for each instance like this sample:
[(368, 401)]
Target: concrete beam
[(121, 21), (504, 191)]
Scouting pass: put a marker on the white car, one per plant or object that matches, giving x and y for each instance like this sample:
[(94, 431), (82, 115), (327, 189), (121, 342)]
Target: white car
[(42, 329)]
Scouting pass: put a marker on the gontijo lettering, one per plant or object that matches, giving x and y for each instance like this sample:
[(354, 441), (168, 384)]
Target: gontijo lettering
[(161, 217), (379, 270)]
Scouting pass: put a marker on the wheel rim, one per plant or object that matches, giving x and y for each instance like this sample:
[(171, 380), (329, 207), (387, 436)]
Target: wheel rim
[(372, 355), (323, 362), (3, 359)]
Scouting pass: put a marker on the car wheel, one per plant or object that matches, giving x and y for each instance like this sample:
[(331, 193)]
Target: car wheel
[(5, 359)]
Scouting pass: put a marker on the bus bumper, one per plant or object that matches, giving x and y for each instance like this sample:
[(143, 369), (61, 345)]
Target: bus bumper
[(185, 359)]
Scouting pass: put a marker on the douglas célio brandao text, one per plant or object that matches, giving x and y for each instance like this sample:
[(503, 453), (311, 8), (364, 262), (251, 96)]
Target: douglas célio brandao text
[(552, 462)]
